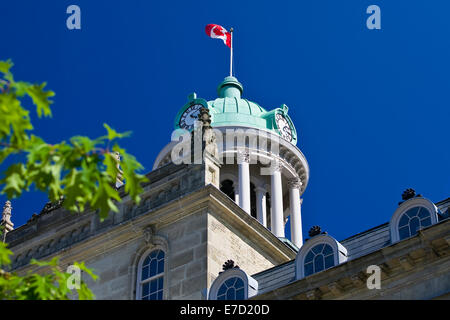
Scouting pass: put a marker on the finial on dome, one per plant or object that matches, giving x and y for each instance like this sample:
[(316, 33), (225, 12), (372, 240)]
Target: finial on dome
[(192, 96), (230, 88)]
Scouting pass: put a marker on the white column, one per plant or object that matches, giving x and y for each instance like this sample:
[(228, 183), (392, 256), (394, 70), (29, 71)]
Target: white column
[(244, 180), (296, 214), (276, 217), (236, 193), (261, 212)]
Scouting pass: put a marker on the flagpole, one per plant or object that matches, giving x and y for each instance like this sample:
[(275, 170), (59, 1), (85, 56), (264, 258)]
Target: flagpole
[(231, 52)]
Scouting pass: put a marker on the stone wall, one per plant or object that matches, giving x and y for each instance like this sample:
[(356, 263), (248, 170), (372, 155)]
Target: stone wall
[(227, 242), (198, 231)]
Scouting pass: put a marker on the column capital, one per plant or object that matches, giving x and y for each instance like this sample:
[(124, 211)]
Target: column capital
[(244, 180), (275, 166), (243, 156), (261, 189), (294, 183)]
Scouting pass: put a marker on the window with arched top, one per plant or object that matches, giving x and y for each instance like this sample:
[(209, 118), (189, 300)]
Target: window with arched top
[(411, 216), (233, 284), (319, 253), (231, 289), (151, 276), (319, 258), (413, 220)]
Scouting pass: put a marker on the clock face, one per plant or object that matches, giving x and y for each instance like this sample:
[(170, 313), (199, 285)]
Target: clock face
[(284, 127), (189, 116)]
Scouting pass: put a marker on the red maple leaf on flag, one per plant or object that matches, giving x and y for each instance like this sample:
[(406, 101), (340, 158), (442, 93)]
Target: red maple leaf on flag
[(218, 32)]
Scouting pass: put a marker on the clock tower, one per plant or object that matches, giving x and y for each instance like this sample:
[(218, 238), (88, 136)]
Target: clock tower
[(193, 217), (262, 170)]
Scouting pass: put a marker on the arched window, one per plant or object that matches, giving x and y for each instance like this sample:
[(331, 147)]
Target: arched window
[(319, 258), (413, 220), (151, 276), (232, 289), (233, 284), (319, 253), (411, 216)]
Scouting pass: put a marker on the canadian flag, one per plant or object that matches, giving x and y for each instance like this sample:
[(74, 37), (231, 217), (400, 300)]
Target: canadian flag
[(218, 32)]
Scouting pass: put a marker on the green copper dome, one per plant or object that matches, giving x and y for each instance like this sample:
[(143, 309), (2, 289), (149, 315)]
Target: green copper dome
[(230, 109)]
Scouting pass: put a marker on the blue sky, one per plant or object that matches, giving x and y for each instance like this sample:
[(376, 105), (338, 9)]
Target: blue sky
[(371, 107)]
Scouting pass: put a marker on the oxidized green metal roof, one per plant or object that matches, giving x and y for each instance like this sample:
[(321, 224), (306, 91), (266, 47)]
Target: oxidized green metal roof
[(230, 109)]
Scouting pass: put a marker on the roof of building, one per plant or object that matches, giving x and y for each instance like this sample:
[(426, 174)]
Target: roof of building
[(231, 110), (357, 246)]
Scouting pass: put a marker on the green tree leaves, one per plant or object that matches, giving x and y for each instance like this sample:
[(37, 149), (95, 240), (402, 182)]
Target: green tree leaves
[(83, 172), (5, 66), (40, 98), (52, 285)]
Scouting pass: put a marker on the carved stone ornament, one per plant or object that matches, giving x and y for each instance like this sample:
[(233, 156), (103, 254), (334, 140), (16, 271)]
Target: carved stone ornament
[(148, 234), (294, 183), (6, 217), (203, 135), (229, 264), (7, 209), (315, 230), (243, 156), (50, 206), (119, 177), (205, 118), (409, 194), (277, 166), (209, 140)]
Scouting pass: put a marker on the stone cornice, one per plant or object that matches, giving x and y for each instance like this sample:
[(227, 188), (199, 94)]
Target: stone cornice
[(103, 240)]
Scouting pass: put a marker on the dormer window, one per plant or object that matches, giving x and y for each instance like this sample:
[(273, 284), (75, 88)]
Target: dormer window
[(319, 253), (319, 258), (232, 289), (412, 221), (233, 284), (411, 216)]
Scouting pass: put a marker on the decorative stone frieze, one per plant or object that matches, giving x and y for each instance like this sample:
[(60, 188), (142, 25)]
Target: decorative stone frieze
[(294, 183)]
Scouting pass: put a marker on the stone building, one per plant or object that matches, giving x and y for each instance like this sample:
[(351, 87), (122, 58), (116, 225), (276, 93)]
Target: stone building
[(211, 223)]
